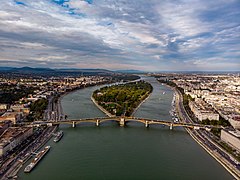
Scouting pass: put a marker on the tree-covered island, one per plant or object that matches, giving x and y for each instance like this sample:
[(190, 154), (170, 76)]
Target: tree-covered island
[(122, 99)]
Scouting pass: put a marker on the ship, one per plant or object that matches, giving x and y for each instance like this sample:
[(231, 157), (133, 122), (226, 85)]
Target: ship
[(59, 135), (37, 158)]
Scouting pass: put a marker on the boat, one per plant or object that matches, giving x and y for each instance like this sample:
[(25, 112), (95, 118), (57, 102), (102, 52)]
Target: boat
[(36, 159), (176, 120), (25, 158), (59, 135)]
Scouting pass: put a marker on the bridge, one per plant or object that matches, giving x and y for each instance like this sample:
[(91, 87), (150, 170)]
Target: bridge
[(122, 120)]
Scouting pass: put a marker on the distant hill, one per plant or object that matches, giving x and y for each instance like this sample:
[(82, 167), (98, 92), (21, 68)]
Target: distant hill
[(49, 71), (5, 68), (83, 70), (30, 69), (64, 71), (130, 71)]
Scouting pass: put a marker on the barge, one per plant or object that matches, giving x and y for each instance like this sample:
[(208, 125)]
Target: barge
[(37, 158)]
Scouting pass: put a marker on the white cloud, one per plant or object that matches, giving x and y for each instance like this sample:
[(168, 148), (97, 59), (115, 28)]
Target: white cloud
[(114, 33)]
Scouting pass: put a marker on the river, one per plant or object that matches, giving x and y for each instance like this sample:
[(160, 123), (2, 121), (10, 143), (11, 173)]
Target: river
[(110, 152)]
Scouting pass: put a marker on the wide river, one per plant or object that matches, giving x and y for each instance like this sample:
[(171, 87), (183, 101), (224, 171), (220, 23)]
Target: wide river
[(110, 152)]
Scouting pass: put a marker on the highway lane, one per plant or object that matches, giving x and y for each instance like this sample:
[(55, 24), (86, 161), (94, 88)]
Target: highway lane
[(205, 137)]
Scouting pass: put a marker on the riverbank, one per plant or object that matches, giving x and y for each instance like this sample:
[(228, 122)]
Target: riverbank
[(59, 105), (112, 141), (33, 147), (110, 115), (123, 99), (135, 109), (101, 108), (218, 157), (215, 155)]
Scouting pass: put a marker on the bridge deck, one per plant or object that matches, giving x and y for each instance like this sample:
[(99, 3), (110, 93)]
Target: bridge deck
[(128, 119)]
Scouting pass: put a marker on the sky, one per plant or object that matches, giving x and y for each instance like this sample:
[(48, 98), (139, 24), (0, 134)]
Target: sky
[(151, 35)]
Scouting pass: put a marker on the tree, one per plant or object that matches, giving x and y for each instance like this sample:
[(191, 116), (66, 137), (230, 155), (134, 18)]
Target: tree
[(126, 97)]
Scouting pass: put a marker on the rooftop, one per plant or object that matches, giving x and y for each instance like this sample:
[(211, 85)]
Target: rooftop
[(12, 132), (235, 133)]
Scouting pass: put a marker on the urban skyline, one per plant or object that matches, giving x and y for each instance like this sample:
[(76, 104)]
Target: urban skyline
[(144, 35)]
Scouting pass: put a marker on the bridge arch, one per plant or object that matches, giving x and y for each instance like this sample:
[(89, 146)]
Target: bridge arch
[(122, 120)]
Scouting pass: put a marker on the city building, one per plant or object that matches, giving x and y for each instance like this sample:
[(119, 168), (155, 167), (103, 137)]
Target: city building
[(3, 106), (12, 137), (203, 111), (232, 138), (20, 108), (235, 121), (12, 116), (221, 92)]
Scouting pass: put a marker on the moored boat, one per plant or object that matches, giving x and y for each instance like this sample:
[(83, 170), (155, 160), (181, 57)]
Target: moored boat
[(59, 135), (36, 159)]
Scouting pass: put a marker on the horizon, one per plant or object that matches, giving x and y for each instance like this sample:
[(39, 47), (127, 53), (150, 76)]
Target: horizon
[(148, 36), (4, 68)]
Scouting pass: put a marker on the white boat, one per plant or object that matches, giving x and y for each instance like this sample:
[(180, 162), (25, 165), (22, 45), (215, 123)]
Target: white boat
[(59, 135), (37, 158), (176, 120)]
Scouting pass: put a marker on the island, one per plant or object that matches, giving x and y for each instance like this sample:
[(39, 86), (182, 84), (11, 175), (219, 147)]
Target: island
[(122, 99)]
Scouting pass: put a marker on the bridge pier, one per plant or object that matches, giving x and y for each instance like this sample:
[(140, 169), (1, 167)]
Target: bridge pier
[(146, 124), (73, 124), (171, 126), (97, 122), (122, 122)]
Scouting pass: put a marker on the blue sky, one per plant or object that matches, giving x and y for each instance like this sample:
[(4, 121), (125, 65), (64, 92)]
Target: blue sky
[(152, 35)]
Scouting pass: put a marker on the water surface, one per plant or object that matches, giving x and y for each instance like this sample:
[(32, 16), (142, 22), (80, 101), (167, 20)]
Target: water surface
[(132, 152)]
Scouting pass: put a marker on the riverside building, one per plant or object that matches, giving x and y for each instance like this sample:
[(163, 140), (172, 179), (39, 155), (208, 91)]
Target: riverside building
[(203, 111), (12, 137), (232, 138)]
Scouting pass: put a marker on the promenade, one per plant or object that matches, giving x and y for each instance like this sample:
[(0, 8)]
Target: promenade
[(205, 141)]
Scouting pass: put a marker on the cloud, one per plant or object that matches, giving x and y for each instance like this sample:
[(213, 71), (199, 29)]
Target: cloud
[(152, 35)]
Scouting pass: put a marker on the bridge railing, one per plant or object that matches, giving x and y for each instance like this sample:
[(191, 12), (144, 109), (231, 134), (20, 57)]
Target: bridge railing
[(126, 119)]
